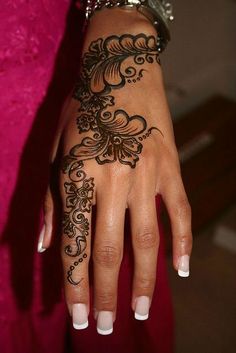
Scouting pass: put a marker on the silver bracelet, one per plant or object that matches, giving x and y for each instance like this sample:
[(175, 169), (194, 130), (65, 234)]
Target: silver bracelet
[(159, 12)]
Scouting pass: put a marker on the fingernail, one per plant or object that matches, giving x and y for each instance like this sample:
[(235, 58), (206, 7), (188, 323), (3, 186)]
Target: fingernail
[(183, 270), (79, 316), (105, 322), (40, 242), (142, 308)]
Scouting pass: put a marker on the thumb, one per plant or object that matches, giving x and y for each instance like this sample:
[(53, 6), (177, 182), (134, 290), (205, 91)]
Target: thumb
[(45, 236)]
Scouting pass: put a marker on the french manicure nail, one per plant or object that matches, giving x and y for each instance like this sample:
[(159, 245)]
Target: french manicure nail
[(40, 242), (105, 322), (183, 270), (79, 316), (142, 308)]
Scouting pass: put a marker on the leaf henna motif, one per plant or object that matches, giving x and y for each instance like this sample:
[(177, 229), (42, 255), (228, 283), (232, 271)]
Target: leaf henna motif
[(106, 60), (105, 68)]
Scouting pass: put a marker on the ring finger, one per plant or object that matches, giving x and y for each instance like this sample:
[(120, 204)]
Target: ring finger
[(145, 239)]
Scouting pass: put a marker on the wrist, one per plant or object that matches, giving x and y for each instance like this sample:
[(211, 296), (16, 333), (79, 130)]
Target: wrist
[(158, 12), (117, 21)]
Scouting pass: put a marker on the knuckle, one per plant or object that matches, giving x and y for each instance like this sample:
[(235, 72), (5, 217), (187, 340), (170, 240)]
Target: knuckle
[(105, 299), (70, 249), (184, 239), (117, 172), (146, 284), (184, 242), (107, 255), (183, 208), (47, 205), (146, 239), (147, 157)]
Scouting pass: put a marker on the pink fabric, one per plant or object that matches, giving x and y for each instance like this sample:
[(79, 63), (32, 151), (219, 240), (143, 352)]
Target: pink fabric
[(38, 61)]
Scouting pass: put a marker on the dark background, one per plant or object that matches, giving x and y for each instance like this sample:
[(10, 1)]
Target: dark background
[(200, 77)]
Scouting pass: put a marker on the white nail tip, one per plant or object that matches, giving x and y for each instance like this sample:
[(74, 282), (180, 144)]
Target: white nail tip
[(141, 317), (142, 308), (183, 273), (80, 326), (40, 248), (40, 242), (104, 332)]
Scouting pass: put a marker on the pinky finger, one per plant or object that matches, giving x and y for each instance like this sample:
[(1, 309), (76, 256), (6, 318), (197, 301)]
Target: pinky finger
[(179, 211)]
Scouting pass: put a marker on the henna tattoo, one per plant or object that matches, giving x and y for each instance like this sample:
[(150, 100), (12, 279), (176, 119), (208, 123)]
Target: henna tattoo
[(75, 223), (105, 68), (113, 135)]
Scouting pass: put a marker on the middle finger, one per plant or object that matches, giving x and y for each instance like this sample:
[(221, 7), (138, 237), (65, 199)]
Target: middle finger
[(107, 254)]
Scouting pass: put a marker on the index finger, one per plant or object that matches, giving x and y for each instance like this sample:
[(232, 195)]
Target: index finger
[(77, 190)]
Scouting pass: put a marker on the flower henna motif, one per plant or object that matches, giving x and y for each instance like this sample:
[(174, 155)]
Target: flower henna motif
[(116, 141), (105, 68), (80, 198), (110, 135), (86, 122)]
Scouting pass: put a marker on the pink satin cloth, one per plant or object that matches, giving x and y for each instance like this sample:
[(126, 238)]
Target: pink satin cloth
[(39, 53)]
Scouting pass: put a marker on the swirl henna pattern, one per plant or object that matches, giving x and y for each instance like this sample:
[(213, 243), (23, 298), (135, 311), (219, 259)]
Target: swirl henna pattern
[(110, 135), (79, 193)]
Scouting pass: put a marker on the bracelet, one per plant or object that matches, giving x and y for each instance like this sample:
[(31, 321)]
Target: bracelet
[(158, 12)]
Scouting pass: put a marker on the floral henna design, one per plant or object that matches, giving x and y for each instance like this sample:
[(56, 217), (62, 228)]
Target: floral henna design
[(105, 68), (113, 135), (75, 223)]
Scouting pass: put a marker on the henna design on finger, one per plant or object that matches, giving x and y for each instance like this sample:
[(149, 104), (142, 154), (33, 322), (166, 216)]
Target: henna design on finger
[(75, 222), (111, 135)]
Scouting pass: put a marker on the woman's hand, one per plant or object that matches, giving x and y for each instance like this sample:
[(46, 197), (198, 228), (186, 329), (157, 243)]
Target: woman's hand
[(119, 152)]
